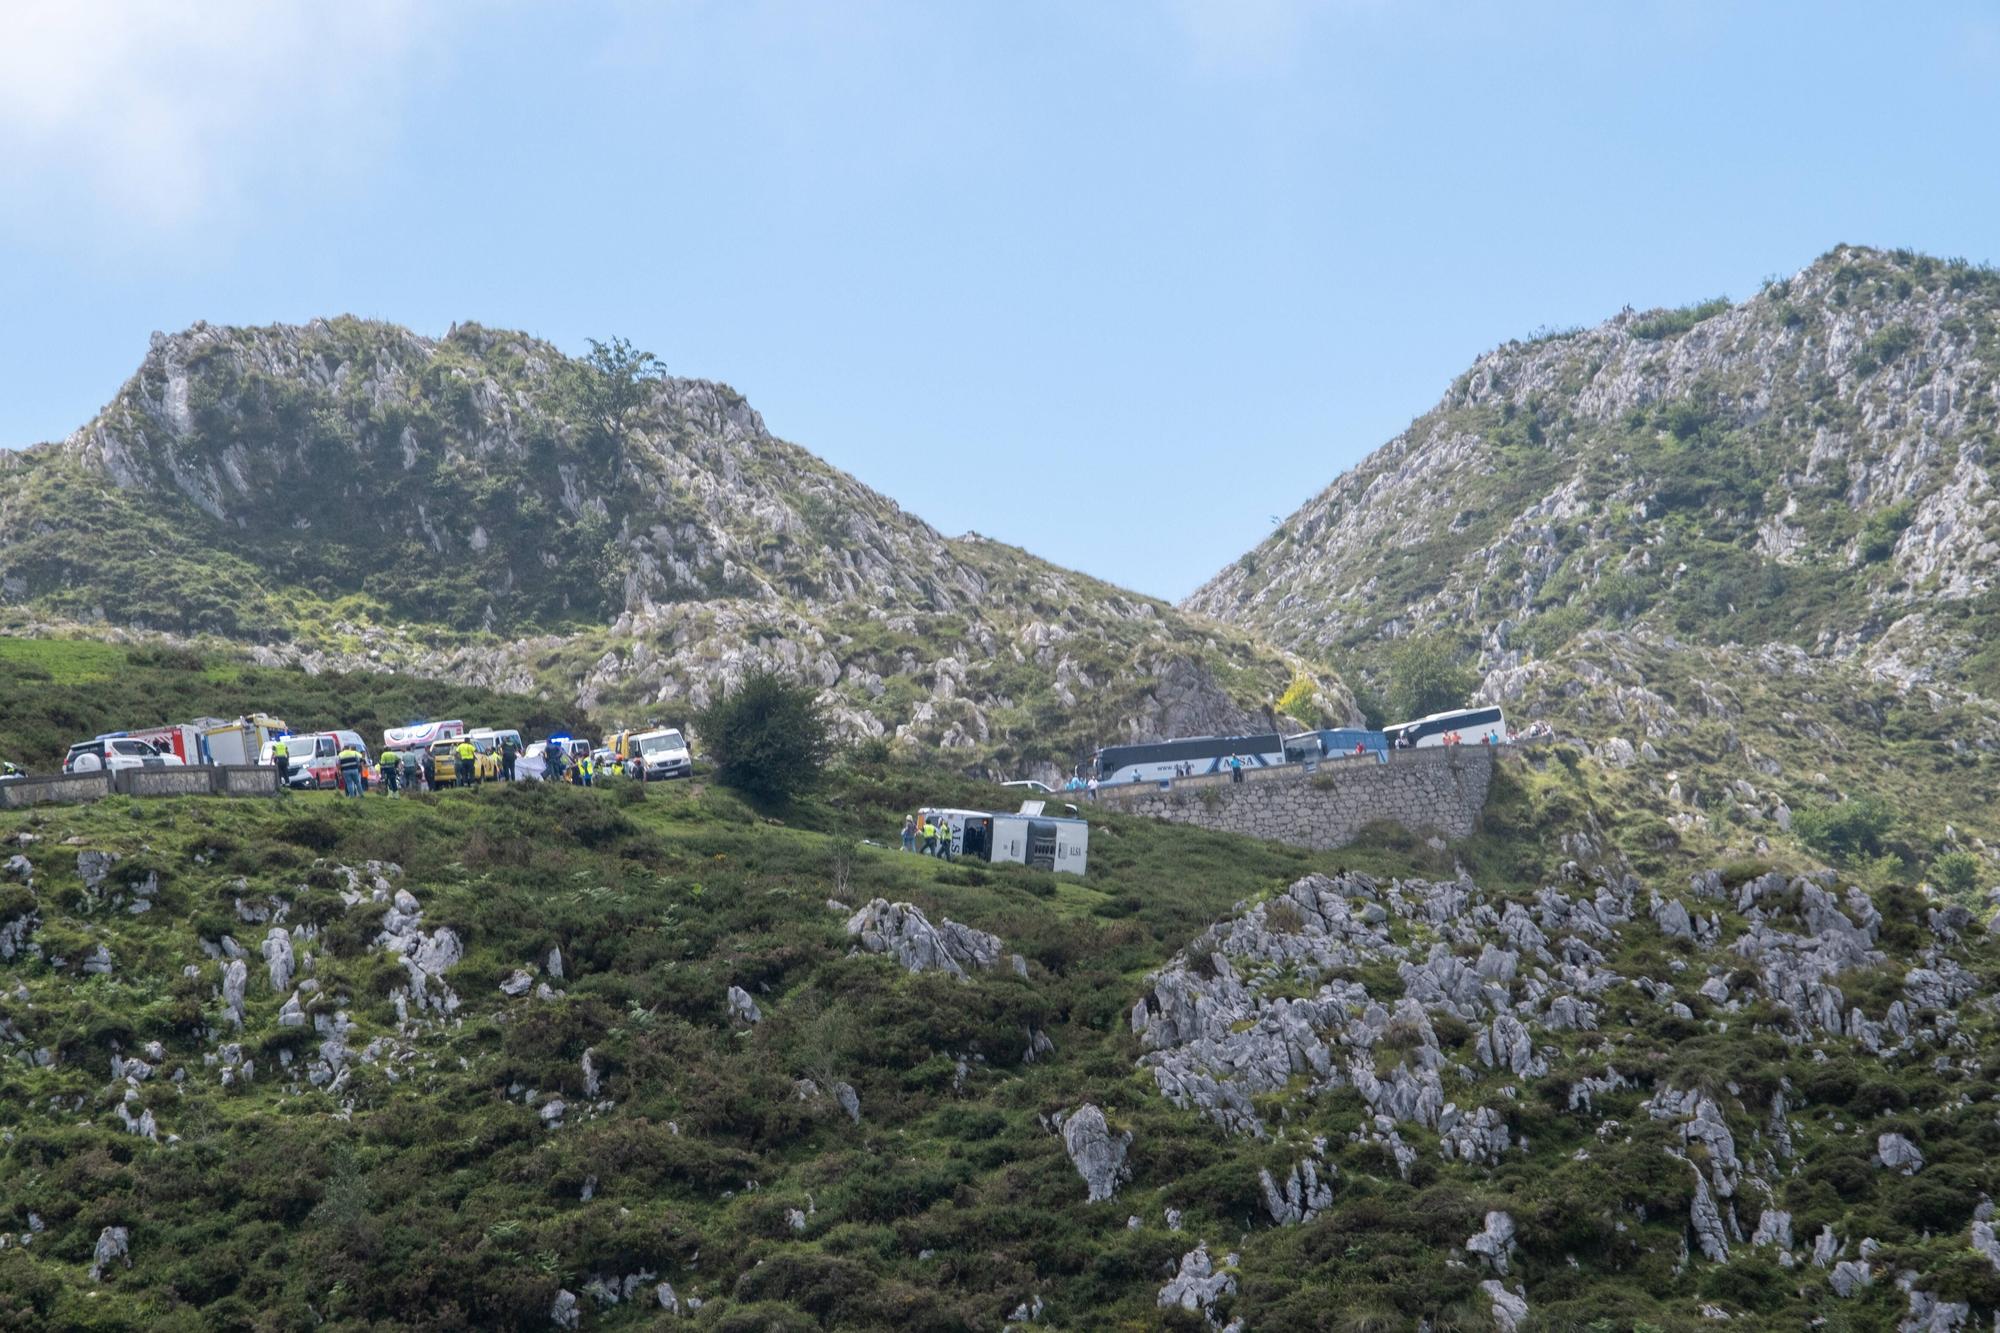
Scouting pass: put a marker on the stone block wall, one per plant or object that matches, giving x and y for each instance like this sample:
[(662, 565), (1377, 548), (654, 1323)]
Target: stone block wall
[(63, 787), (1435, 791)]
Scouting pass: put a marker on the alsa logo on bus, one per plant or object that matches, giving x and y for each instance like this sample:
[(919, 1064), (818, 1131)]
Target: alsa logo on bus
[(1161, 760)]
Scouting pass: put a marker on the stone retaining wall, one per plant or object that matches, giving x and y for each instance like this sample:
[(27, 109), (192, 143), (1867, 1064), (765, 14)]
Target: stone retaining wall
[(1440, 790), (66, 787), (192, 780)]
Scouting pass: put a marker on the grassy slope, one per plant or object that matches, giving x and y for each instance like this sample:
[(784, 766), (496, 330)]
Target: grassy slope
[(439, 1198)]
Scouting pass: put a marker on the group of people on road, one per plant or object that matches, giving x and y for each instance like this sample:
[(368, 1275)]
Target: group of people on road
[(927, 833), (416, 769)]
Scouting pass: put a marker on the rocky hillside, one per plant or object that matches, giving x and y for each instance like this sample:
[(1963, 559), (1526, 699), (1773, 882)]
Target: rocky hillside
[(636, 1058), (1813, 466), (347, 494), (1749, 549)]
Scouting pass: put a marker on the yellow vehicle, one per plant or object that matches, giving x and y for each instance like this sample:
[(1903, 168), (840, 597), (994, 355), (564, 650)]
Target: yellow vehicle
[(444, 753)]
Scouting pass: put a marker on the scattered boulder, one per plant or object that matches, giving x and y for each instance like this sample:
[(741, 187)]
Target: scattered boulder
[(1898, 1154), (1849, 1278), (1197, 1286), (565, 1313), (278, 958), (114, 1245), (902, 931), (94, 868), (518, 983), (1495, 1243), (742, 1007), (235, 976), (1510, 1308), (1098, 1156)]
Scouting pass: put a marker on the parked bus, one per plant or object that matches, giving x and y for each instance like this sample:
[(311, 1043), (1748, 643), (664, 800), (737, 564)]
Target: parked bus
[(1334, 743), (1160, 760), (1472, 726)]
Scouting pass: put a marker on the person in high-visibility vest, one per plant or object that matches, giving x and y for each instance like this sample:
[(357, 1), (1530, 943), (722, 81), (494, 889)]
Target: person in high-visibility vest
[(468, 757), (350, 761), (930, 837), (281, 759), (391, 766), (586, 768)]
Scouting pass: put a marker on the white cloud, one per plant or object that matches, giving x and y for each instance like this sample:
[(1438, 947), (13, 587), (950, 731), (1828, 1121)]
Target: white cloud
[(161, 114)]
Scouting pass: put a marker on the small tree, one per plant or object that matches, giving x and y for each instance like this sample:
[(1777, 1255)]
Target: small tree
[(1425, 677), (1845, 832), (1956, 873), (611, 381), (767, 737), (1301, 700)]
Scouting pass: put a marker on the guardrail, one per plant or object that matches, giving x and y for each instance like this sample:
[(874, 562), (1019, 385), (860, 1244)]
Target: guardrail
[(192, 780)]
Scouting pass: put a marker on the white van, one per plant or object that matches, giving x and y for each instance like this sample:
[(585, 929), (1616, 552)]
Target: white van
[(658, 755)]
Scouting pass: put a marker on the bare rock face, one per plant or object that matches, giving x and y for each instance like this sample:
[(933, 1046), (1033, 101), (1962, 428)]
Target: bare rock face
[(1706, 1220), (1098, 1155), (902, 931)]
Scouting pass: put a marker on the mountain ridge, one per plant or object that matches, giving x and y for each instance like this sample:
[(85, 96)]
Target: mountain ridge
[(347, 494)]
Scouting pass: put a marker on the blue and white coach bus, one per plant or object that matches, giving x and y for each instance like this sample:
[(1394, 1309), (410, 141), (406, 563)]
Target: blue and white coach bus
[(1160, 760)]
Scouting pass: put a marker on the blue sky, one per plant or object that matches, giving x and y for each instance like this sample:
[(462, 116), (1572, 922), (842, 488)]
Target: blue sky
[(1117, 282)]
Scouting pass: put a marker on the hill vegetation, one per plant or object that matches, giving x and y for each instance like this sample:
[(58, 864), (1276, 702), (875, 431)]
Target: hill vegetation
[(480, 508), (565, 1104)]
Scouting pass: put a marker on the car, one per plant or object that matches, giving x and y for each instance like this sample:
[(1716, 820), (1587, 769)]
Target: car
[(1029, 784), (485, 763), (659, 755), (116, 754)]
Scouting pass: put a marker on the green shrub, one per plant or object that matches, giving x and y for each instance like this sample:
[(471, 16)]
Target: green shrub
[(1846, 830), (767, 737), (1956, 873), (1882, 528), (1668, 323), (1300, 700)]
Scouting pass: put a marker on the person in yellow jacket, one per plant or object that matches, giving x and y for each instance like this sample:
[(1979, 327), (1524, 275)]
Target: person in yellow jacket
[(468, 759)]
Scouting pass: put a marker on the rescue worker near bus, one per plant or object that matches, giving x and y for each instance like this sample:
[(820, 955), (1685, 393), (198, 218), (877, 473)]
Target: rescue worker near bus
[(391, 765), (468, 757), (281, 758), (429, 762), (909, 833), (413, 770), (930, 836), (509, 752), (350, 761), (587, 767)]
